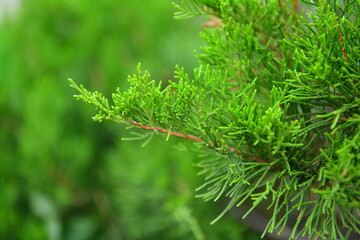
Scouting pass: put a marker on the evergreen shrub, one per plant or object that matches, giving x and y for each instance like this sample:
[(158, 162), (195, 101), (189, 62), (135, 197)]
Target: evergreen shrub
[(274, 104)]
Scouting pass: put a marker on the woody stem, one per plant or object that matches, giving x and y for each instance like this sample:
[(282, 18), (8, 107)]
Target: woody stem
[(196, 139)]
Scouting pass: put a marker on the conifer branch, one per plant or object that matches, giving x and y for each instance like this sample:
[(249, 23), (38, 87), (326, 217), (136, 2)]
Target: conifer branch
[(277, 106), (181, 135), (193, 138)]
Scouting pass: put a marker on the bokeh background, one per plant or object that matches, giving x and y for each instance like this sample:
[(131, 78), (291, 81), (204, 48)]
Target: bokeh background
[(63, 176)]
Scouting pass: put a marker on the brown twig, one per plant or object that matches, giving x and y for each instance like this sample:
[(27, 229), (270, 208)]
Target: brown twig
[(196, 139), (214, 22), (346, 59), (341, 39), (300, 215), (257, 159), (296, 6)]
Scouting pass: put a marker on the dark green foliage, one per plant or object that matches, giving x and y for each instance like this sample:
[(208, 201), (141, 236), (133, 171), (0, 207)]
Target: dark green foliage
[(63, 177), (275, 104)]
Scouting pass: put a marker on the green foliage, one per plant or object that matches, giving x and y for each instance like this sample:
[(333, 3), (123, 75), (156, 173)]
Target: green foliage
[(63, 177), (275, 103)]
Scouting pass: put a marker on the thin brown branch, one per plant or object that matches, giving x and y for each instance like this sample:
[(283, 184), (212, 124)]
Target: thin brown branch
[(214, 22), (300, 215), (196, 139), (341, 39), (346, 59), (296, 6), (257, 159)]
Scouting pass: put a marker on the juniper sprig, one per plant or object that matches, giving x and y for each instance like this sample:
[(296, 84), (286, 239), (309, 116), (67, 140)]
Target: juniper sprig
[(275, 104)]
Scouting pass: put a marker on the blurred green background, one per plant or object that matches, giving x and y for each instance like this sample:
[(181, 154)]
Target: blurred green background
[(63, 176)]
